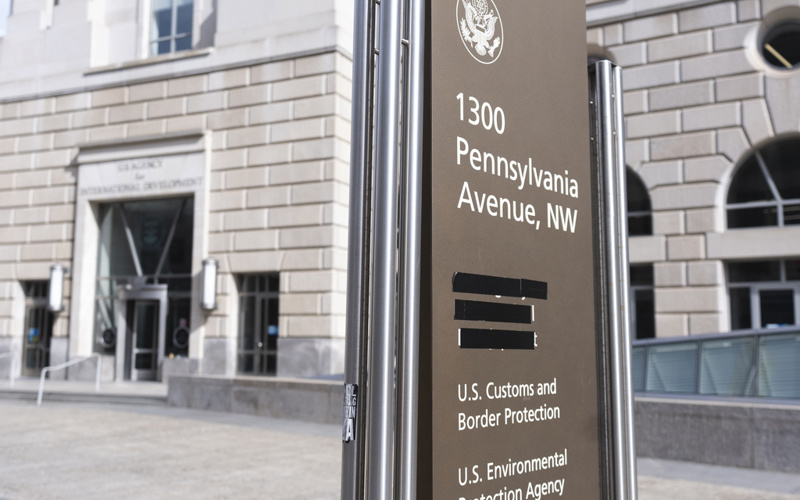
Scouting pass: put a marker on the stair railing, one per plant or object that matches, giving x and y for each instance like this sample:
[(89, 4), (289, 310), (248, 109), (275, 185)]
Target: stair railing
[(47, 369)]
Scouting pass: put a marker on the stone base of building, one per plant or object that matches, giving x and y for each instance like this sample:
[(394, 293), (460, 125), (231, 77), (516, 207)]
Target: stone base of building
[(307, 400), (746, 433)]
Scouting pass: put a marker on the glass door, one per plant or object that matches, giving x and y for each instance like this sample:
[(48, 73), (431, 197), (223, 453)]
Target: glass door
[(141, 325), (144, 332), (38, 328)]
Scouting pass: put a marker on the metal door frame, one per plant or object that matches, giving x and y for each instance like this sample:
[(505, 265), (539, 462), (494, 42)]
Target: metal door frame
[(125, 293)]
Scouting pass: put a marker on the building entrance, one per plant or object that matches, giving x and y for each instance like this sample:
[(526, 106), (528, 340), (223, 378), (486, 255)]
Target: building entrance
[(144, 284), (141, 324)]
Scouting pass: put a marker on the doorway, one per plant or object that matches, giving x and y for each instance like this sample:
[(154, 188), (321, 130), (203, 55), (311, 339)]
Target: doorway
[(38, 328), (141, 326), (144, 284)]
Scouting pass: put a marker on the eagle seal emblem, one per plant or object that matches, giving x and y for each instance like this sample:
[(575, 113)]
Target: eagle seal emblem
[(481, 29)]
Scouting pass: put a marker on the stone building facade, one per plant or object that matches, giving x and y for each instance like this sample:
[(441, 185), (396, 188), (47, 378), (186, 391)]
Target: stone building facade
[(138, 139), (713, 124)]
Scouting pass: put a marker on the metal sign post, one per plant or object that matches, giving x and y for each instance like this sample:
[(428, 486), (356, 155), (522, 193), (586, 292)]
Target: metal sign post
[(487, 332)]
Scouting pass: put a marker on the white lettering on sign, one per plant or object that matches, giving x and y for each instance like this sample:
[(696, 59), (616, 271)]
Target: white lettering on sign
[(524, 174)]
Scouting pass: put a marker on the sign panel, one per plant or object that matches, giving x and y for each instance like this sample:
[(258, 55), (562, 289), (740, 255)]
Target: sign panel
[(514, 367)]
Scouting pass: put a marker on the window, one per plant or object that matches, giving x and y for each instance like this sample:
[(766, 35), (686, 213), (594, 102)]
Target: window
[(643, 312), (5, 13), (765, 190), (171, 26), (640, 216), (258, 324), (780, 46), (764, 294), (148, 241), (38, 328)]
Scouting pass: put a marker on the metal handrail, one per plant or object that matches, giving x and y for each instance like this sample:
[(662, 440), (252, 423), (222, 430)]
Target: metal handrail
[(65, 365), (12, 367)]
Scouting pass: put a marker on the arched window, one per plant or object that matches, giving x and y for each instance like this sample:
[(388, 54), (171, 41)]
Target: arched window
[(765, 190), (640, 214)]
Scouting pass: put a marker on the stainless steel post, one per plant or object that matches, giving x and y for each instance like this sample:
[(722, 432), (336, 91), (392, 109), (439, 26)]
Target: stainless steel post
[(353, 448), (381, 402), (622, 210), (611, 143), (410, 280)]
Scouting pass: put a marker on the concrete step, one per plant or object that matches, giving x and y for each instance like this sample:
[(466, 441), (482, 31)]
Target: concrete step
[(85, 397)]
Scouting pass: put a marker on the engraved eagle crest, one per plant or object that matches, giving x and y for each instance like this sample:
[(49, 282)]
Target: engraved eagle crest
[(478, 27)]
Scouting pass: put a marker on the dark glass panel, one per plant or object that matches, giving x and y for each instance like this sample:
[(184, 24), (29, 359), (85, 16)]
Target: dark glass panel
[(638, 199), (143, 361), (748, 272), (246, 363), (752, 217), (162, 19), (184, 18), (741, 317), (645, 314), (777, 308), (641, 275), (272, 319), (793, 270), (162, 47), (150, 222), (273, 282), (32, 359), (785, 41), (749, 184), (179, 286), (36, 289), (146, 325), (115, 258), (183, 43), (249, 285), (640, 225), (783, 164), (178, 316), (247, 322), (179, 257)]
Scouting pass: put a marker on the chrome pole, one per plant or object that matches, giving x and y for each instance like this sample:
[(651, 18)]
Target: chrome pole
[(624, 279), (616, 260), (410, 285), (607, 144), (354, 418), (381, 403)]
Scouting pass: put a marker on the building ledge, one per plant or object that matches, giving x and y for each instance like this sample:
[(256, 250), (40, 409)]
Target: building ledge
[(150, 61)]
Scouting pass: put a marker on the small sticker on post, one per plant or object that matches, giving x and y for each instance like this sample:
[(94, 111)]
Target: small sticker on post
[(350, 407)]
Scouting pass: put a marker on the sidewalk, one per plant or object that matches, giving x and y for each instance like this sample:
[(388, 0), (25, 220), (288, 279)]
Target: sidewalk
[(85, 451)]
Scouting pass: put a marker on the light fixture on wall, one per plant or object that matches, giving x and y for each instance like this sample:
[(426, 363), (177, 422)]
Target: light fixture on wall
[(55, 297), (208, 300)]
